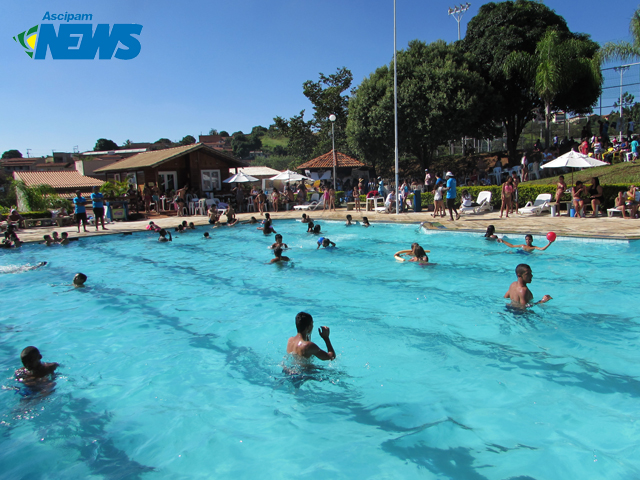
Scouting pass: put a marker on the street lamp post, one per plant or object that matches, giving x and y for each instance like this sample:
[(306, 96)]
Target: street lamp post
[(457, 13), (332, 117), (621, 69)]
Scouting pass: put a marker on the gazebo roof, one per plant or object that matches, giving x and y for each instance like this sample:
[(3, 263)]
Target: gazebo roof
[(326, 161)]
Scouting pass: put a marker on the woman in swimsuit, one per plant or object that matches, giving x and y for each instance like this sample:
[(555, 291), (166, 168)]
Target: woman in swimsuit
[(507, 195), (596, 195), (578, 203)]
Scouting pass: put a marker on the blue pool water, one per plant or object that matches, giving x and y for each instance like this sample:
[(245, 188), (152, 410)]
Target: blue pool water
[(172, 359)]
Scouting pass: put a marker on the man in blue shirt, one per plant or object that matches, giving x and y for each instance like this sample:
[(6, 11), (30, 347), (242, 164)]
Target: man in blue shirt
[(451, 195), (98, 207), (380, 187), (634, 148), (80, 212)]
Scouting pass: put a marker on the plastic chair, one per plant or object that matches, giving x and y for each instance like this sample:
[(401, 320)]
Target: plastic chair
[(250, 204), (497, 172), (201, 206)]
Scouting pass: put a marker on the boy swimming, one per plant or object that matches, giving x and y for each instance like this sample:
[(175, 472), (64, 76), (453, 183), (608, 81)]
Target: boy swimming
[(278, 243), (301, 344), (278, 256), (33, 368), (324, 243), (519, 293), (528, 247)]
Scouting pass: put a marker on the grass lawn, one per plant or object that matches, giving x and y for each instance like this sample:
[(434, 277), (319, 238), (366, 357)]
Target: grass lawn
[(272, 142), (625, 172)]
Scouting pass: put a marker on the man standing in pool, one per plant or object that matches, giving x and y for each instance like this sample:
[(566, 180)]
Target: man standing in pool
[(302, 345), (519, 293), (529, 247)]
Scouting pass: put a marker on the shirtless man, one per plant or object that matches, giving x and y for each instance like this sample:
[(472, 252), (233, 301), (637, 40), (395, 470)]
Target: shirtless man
[(529, 247), (302, 345), (181, 199), (33, 369), (278, 257), (519, 293)]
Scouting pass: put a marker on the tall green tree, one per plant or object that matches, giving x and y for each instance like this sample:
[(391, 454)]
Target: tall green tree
[(299, 131), (624, 50), (103, 145), (12, 154), (310, 138), (440, 98), (561, 65), (516, 26), (243, 144)]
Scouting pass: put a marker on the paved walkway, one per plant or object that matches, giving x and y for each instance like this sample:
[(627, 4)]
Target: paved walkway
[(601, 227)]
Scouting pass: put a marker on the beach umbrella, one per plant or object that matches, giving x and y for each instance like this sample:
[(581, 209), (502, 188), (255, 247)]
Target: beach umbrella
[(574, 159), (289, 176), (240, 178)]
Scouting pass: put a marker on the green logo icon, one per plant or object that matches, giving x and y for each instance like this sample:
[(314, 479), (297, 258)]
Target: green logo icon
[(28, 40)]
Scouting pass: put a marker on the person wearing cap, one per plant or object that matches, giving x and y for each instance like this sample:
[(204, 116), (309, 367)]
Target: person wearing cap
[(80, 212), (15, 217), (451, 195), (428, 181)]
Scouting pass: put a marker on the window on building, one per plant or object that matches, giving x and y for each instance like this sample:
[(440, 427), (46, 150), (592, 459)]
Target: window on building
[(210, 180)]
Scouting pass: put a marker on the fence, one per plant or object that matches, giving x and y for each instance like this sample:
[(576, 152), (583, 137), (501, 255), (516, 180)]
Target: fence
[(617, 81)]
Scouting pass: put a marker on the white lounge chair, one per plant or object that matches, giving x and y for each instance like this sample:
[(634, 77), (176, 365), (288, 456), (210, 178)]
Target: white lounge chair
[(484, 204), (540, 205), (313, 205)]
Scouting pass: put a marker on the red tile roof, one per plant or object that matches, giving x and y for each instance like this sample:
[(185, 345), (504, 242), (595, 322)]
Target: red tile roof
[(64, 179), (326, 161)]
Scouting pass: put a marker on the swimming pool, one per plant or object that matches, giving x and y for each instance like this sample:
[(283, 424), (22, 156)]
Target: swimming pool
[(172, 359)]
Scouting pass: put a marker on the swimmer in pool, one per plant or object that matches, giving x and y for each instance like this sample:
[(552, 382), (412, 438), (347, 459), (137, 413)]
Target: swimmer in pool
[(324, 243), (310, 226), (163, 236), (278, 243), (306, 218), (302, 346), (420, 256), (277, 252), (491, 233), (348, 224), (79, 279), (33, 367), (206, 236), (519, 293), (528, 247), (48, 241), (365, 222)]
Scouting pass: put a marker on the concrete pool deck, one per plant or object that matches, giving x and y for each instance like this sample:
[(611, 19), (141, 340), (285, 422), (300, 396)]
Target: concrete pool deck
[(614, 228)]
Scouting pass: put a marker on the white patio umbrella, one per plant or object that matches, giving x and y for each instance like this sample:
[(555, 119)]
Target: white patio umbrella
[(574, 159), (240, 178), (289, 176)]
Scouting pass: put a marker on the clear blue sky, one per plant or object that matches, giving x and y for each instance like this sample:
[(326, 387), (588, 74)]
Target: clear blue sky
[(228, 65)]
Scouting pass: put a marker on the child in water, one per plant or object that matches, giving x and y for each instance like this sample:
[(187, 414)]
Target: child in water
[(33, 369)]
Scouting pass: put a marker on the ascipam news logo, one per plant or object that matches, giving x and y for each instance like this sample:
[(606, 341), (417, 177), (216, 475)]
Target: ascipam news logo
[(80, 41)]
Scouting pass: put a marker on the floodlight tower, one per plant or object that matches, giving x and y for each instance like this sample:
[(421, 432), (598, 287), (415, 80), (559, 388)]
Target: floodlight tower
[(457, 13)]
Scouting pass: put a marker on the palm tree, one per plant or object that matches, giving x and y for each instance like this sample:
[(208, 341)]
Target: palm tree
[(557, 66), (624, 50)]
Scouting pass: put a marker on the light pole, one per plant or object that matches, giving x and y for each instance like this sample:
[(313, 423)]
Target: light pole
[(457, 13), (621, 69), (395, 103), (332, 117)]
